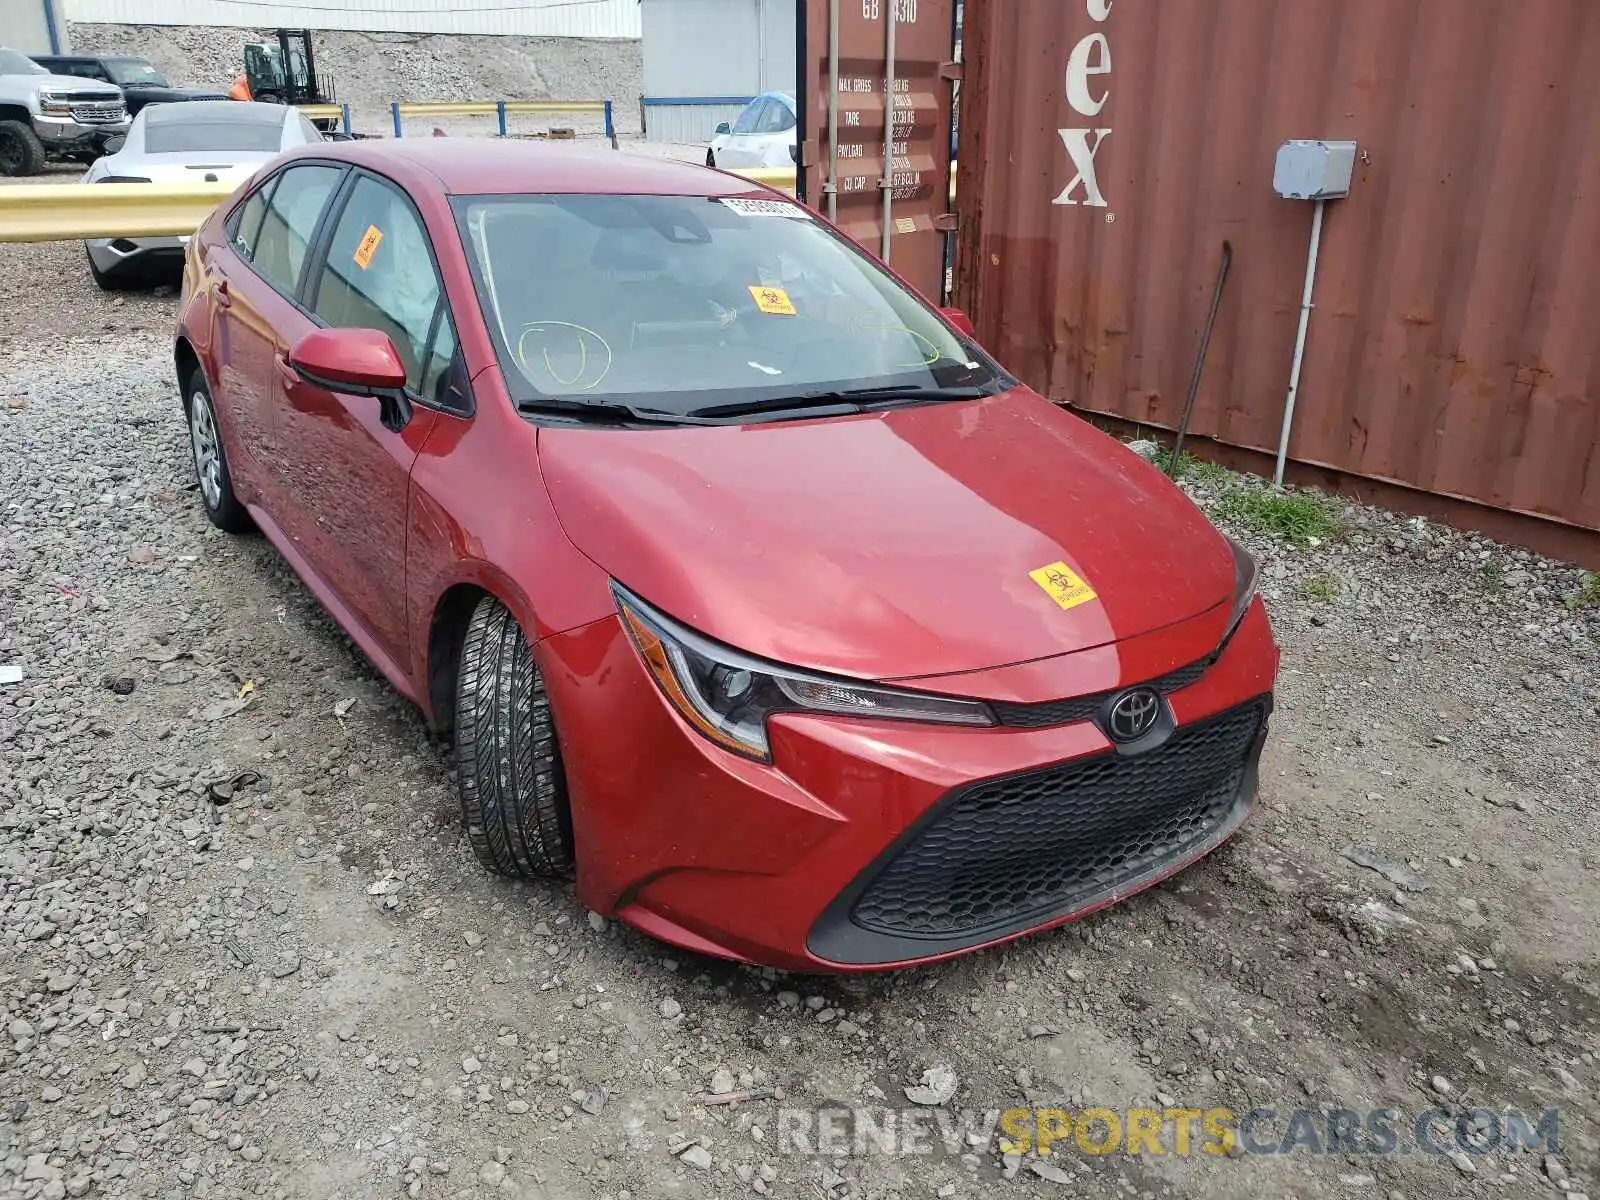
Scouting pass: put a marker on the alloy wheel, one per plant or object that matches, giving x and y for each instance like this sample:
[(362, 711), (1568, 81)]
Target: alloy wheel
[(207, 450)]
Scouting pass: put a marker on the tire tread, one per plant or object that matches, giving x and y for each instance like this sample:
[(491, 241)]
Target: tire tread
[(508, 760)]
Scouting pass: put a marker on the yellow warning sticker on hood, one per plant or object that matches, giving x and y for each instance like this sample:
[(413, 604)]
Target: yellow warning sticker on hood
[(773, 300), (1063, 585)]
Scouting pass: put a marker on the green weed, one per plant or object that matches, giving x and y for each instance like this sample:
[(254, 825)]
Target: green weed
[(1588, 593), (1296, 517), (1322, 587)]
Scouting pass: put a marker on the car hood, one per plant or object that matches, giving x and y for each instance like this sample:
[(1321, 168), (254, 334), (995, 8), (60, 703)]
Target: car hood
[(75, 84), (891, 545)]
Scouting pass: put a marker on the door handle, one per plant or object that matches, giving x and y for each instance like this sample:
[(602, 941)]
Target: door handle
[(220, 291)]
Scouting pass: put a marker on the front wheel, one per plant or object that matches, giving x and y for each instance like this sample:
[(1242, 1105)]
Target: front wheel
[(21, 151), (508, 761)]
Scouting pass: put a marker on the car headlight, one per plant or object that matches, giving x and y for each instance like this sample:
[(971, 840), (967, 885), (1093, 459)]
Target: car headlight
[(1244, 586), (728, 696), (54, 104)]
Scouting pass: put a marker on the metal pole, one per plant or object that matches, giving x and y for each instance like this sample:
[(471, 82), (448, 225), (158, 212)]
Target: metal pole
[(831, 188), (1300, 340), (500, 112), (347, 127), (394, 107), (761, 45), (611, 128), (50, 27), (890, 23)]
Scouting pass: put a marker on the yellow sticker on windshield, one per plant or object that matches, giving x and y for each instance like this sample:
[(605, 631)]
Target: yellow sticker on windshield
[(368, 246), (1063, 585), (773, 300)]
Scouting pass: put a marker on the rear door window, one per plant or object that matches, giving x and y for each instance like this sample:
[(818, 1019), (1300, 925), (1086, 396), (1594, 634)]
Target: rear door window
[(290, 223)]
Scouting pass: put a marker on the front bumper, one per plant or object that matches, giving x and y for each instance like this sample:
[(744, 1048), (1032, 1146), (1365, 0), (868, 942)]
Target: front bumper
[(871, 844), (68, 134)]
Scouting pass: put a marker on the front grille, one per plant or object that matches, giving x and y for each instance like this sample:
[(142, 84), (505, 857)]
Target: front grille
[(99, 112), (1005, 853), (1082, 708)]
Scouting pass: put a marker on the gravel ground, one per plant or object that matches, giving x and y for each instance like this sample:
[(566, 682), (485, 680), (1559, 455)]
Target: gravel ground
[(244, 949), (370, 70)]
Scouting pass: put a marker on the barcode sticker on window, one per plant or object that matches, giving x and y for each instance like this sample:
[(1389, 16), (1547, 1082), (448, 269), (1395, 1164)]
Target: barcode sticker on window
[(767, 208)]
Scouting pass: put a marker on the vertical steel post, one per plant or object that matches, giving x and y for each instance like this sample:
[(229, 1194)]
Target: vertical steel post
[(347, 129), (611, 128), (500, 112), (50, 27), (890, 24), (394, 107), (831, 187), (1299, 341)]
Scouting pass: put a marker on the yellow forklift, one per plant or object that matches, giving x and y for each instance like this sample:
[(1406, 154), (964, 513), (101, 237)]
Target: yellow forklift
[(284, 71)]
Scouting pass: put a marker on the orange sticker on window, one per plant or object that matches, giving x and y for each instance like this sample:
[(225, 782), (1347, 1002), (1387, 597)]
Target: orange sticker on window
[(368, 246), (1063, 585), (773, 300)]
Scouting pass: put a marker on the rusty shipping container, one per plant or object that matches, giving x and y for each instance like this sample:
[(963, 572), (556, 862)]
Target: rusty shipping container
[(884, 144), (1108, 147)]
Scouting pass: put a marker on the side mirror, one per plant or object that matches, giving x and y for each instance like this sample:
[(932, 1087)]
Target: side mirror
[(357, 362), (724, 127), (960, 320), (113, 144)]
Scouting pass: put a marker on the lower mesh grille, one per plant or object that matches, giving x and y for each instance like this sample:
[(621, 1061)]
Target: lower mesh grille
[(1006, 850)]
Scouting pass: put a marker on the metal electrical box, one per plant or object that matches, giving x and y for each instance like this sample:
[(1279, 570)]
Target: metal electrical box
[(1314, 170)]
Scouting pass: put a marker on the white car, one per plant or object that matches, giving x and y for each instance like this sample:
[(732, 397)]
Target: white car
[(763, 136), (215, 141)]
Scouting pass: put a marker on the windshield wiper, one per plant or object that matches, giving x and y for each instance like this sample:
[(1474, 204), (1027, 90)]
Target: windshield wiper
[(602, 412), (847, 400)]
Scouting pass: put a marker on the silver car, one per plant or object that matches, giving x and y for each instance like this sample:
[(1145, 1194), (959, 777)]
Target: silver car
[(216, 141)]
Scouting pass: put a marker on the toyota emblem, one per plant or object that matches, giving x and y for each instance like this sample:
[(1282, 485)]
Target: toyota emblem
[(1133, 714)]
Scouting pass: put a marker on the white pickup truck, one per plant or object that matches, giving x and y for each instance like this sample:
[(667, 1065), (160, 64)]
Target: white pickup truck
[(45, 116)]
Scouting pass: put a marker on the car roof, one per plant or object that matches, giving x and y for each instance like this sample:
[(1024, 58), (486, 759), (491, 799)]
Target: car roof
[(485, 166)]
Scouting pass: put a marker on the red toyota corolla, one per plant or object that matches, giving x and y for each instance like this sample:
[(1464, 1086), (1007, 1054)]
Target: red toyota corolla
[(752, 591)]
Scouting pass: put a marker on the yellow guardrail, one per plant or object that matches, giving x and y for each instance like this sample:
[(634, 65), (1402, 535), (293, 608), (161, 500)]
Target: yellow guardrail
[(322, 112), (70, 212), (773, 177), (399, 110)]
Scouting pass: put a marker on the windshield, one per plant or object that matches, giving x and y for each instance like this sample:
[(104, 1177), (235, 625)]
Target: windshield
[(677, 303), (212, 137), (132, 71), (12, 63)]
